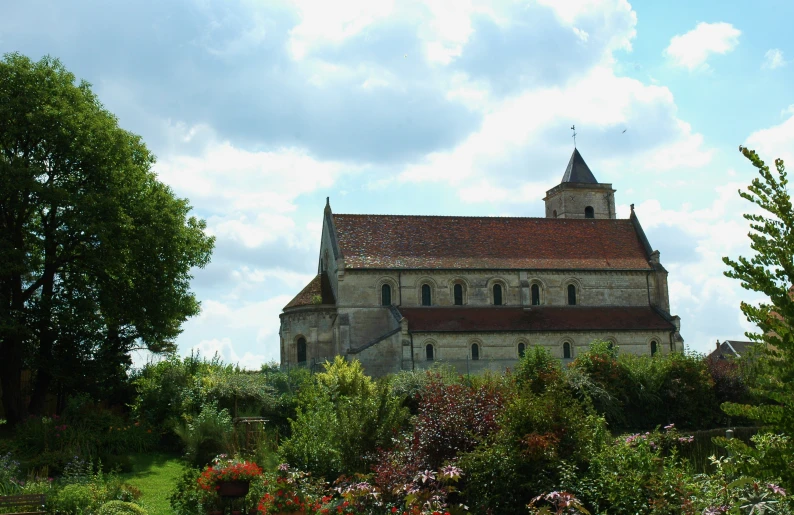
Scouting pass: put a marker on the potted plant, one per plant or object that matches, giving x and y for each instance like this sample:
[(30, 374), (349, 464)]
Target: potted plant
[(229, 477)]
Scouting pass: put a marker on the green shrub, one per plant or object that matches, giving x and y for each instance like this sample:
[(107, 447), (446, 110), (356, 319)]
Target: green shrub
[(639, 473), (537, 369), (74, 499), (206, 435), (538, 433), (342, 422), (187, 498), (120, 508)]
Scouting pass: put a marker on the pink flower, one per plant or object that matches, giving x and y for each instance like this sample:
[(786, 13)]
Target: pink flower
[(776, 489)]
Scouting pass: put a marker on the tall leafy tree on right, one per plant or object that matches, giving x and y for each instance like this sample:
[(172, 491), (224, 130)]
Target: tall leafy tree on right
[(770, 271)]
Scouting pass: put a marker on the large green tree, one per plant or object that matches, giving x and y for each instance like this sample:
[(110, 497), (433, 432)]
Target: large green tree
[(770, 271), (95, 252)]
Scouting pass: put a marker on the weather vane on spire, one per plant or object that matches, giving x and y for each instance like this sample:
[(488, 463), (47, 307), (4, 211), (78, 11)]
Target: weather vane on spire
[(573, 128)]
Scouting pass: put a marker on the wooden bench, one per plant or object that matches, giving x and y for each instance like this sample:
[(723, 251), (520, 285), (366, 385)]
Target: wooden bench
[(32, 502)]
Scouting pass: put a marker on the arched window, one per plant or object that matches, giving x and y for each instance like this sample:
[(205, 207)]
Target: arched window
[(571, 295), (672, 346), (654, 347), (385, 295), (522, 349), (301, 350), (588, 212), (475, 352), (535, 295), (426, 299), (429, 351), (497, 294), (566, 350), (554, 213), (458, 294)]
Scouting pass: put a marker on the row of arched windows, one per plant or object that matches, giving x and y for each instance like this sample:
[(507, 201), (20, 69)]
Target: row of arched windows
[(426, 295), (567, 350), (474, 351)]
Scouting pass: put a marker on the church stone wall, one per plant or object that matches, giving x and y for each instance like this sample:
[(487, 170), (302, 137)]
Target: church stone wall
[(630, 288), (569, 200), (327, 262), (501, 350), (385, 357), (316, 324)]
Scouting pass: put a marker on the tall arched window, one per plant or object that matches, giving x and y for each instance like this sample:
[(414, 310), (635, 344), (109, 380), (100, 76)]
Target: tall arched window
[(566, 350), (654, 347), (571, 295), (522, 349), (385, 295), (475, 352), (458, 294), (535, 295), (497, 294), (426, 300), (588, 212), (301, 350), (429, 352)]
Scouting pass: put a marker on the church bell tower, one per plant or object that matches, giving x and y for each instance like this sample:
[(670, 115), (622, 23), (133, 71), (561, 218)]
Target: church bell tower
[(580, 195)]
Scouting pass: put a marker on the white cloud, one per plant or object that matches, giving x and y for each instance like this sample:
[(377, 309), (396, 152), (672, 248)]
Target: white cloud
[(484, 165), (773, 59), (775, 142), (692, 50)]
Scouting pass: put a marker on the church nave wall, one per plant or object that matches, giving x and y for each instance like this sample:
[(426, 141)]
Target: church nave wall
[(593, 288)]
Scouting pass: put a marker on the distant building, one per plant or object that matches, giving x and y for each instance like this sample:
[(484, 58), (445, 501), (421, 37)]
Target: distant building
[(402, 292), (731, 348)]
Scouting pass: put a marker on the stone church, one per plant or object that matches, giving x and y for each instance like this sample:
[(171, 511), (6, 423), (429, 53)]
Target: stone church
[(402, 292)]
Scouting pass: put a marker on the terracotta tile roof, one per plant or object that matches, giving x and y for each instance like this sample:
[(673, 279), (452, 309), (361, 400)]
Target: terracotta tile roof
[(392, 241), (321, 286), (538, 318)]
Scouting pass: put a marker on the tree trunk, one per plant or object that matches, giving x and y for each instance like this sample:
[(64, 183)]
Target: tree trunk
[(11, 343), (47, 336), (11, 379)]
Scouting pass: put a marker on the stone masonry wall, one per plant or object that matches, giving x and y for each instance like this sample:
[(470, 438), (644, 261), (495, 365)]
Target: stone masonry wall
[(361, 288), (498, 351), (570, 201), (316, 324)]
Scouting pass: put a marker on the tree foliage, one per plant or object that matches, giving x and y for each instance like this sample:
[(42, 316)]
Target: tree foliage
[(770, 271), (95, 252)]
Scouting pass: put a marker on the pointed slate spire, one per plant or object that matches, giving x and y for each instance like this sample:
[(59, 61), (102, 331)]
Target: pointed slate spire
[(578, 171)]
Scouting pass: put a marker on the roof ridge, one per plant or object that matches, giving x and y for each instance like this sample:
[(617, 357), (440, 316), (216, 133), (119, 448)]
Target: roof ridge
[(488, 217)]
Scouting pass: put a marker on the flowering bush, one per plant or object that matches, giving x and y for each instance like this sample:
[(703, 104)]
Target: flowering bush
[(292, 492), (225, 469)]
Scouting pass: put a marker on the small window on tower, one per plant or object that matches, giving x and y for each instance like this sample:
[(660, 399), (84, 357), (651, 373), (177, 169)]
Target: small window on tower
[(475, 352), (588, 212), (566, 350), (385, 295), (497, 294), (521, 349), (535, 295), (429, 352), (571, 295), (554, 213), (654, 347), (458, 292), (301, 350)]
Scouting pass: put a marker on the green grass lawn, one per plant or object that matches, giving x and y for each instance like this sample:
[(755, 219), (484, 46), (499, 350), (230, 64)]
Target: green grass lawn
[(155, 475)]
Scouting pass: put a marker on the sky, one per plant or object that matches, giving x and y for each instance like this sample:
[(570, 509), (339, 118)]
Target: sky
[(257, 110)]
